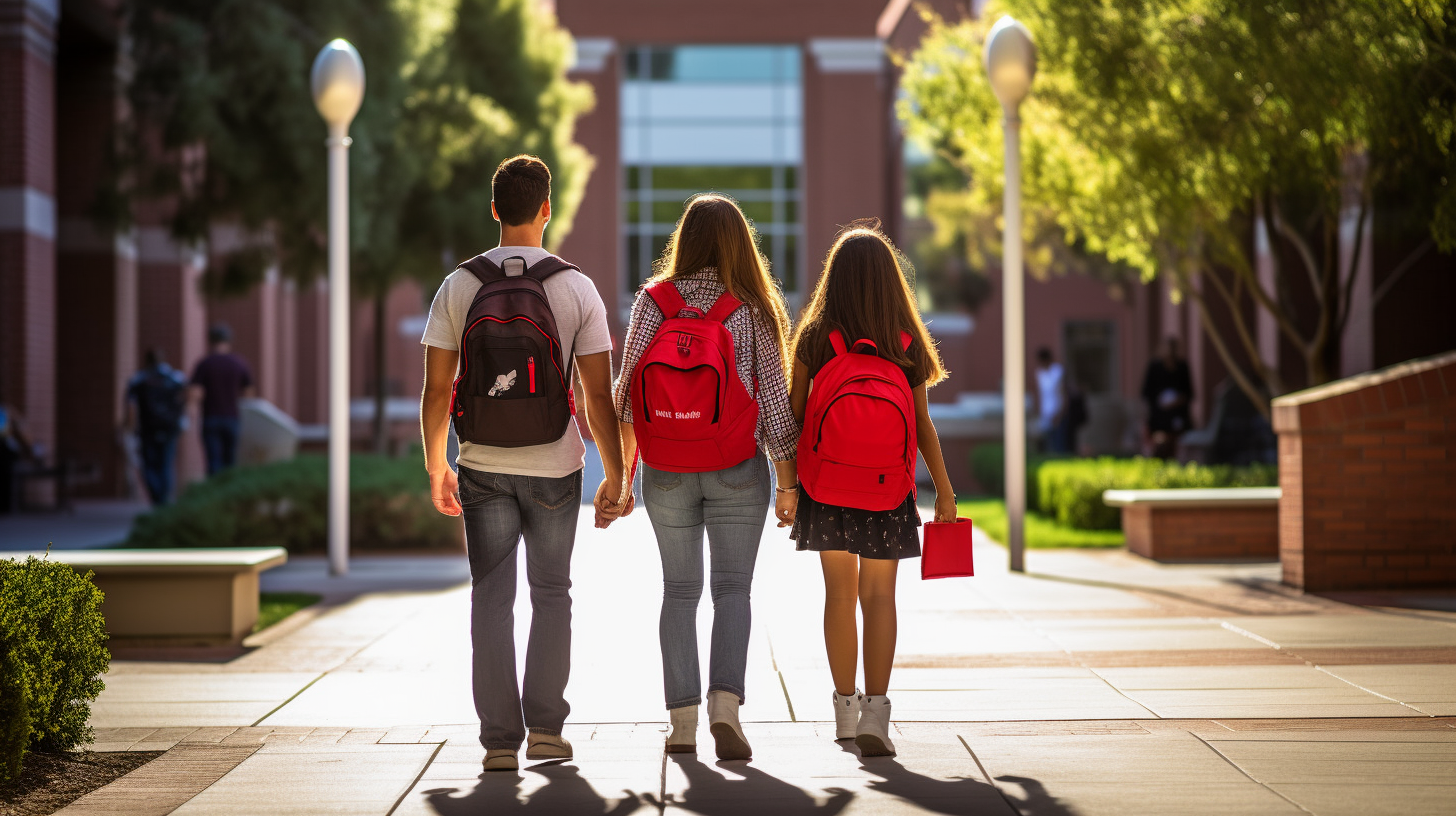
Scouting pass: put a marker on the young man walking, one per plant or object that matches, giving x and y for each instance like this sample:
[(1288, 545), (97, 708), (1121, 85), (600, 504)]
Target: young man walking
[(220, 381), (521, 459)]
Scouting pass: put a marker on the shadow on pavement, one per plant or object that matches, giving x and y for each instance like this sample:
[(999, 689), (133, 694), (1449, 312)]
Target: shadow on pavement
[(1036, 800), (960, 796), (755, 792), (566, 793)]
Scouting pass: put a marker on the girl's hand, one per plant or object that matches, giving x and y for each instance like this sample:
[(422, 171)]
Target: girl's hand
[(786, 506), (945, 507)]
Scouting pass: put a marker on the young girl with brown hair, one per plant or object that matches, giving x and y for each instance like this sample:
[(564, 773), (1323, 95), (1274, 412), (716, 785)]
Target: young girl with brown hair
[(863, 295), (711, 273)]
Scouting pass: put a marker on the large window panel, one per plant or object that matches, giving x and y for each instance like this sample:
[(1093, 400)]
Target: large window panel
[(724, 119)]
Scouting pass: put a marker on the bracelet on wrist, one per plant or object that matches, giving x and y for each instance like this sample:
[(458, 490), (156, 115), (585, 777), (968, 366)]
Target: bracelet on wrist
[(793, 489)]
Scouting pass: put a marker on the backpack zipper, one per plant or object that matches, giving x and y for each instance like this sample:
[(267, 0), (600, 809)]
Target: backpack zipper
[(824, 416), (531, 372)]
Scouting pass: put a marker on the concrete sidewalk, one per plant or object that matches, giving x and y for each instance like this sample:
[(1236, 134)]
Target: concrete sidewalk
[(1100, 683)]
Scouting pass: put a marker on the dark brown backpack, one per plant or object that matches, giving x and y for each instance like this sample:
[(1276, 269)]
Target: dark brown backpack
[(512, 391)]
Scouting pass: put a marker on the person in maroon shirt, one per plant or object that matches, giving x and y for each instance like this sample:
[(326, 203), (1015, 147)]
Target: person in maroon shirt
[(219, 382)]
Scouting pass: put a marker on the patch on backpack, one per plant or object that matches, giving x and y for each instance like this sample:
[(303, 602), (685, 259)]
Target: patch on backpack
[(503, 383)]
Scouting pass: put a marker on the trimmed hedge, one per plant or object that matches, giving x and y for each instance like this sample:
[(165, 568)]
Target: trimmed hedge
[(52, 656), (285, 504), (988, 465), (1070, 491)]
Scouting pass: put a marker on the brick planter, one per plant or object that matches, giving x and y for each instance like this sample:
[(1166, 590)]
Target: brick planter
[(1368, 467), (1200, 525)]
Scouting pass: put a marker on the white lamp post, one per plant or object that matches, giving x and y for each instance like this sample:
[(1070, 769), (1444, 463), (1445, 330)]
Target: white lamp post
[(1011, 65), (338, 89)]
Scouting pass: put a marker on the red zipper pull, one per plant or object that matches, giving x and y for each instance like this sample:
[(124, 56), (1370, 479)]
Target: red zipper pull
[(531, 372)]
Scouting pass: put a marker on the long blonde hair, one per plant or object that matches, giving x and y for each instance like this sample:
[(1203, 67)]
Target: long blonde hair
[(714, 232), (863, 293)]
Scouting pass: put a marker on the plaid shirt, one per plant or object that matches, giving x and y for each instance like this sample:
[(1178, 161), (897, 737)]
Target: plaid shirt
[(777, 432)]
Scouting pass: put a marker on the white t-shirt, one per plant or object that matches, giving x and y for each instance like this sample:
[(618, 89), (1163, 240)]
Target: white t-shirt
[(581, 318), (1049, 387)]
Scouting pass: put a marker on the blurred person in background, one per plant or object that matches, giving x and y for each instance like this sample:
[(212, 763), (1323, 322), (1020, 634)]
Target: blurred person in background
[(15, 448), (1051, 402), (219, 383), (1168, 392), (156, 412)]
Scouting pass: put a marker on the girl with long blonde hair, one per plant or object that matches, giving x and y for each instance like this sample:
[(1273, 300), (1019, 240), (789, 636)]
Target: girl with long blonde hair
[(711, 261)]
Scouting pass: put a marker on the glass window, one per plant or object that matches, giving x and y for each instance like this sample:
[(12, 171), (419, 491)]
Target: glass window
[(712, 118)]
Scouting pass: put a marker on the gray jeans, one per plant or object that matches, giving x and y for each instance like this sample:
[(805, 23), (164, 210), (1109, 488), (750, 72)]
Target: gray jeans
[(732, 505), (501, 509)]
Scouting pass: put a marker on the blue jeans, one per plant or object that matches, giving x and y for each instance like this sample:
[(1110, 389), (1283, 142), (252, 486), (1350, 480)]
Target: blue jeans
[(159, 464), (500, 510), (220, 440), (732, 504)]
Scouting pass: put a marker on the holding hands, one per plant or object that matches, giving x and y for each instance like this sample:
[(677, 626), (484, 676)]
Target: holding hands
[(612, 502)]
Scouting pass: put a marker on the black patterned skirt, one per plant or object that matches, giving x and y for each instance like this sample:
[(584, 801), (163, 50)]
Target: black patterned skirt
[(885, 534)]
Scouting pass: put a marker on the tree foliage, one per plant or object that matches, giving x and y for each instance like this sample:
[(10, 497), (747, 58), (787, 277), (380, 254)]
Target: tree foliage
[(226, 129), (1156, 130)]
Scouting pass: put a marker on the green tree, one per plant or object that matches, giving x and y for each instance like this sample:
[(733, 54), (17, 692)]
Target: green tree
[(226, 132), (1157, 130)]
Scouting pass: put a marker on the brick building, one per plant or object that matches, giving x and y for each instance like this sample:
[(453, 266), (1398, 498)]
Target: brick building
[(788, 106)]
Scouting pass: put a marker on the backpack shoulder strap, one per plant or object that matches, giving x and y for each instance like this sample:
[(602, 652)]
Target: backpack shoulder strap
[(483, 269), (836, 341), (905, 340), (667, 298), (725, 305), (548, 266)]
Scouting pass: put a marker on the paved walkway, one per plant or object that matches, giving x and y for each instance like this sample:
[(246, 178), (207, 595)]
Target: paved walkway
[(1099, 684)]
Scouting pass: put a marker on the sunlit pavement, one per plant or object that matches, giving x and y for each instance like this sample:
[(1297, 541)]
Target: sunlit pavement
[(1100, 683)]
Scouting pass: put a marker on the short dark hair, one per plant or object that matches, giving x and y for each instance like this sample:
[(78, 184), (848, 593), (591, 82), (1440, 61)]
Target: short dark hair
[(154, 357), (1043, 355), (219, 333), (520, 186)]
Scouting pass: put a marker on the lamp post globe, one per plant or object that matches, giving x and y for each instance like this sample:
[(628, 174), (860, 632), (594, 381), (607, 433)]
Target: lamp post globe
[(1010, 59), (337, 80)]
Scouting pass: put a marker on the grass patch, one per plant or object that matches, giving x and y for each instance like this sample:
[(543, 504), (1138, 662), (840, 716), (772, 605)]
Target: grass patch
[(275, 606), (1042, 533)]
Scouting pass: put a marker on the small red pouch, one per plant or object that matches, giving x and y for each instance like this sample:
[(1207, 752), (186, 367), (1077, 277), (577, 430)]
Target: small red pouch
[(947, 550)]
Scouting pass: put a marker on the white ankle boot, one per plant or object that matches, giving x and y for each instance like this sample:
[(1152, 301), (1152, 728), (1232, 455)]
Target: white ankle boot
[(846, 714), (684, 736), (723, 725), (872, 737)]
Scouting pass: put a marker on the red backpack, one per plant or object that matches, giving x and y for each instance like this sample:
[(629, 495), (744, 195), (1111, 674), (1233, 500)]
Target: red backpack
[(690, 410), (858, 444)]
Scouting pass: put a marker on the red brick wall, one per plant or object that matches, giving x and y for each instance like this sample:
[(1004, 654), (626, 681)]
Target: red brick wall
[(1368, 469), (27, 260)]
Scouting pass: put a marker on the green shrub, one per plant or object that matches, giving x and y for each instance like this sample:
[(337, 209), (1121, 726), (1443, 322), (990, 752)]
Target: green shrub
[(988, 465), (52, 656), (285, 504), (1070, 491)]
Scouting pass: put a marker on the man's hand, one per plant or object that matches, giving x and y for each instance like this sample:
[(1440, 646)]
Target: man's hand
[(444, 485), (610, 506)]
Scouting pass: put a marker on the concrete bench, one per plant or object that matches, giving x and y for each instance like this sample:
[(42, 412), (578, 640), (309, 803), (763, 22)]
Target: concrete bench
[(1200, 523), (186, 597)]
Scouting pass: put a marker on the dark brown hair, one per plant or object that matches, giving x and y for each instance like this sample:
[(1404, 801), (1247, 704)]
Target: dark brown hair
[(520, 186), (714, 232), (863, 293)]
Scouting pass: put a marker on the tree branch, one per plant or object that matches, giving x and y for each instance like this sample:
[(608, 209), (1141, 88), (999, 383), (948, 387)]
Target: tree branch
[(1260, 400), (1396, 274), (1246, 339), (1301, 246), (1349, 284)]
